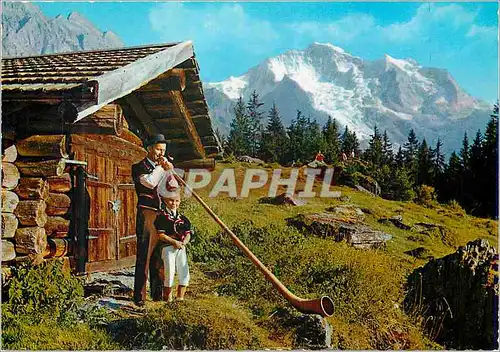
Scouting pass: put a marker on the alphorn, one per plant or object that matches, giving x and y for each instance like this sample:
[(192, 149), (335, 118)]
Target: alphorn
[(322, 306)]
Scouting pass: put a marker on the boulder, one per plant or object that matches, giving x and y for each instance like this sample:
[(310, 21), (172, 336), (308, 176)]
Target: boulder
[(457, 297), (419, 252), (327, 225), (251, 160), (347, 211), (281, 199), (313, 332), (396, 221)]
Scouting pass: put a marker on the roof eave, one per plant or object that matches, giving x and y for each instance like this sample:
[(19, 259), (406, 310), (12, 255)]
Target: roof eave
[(123, 81)]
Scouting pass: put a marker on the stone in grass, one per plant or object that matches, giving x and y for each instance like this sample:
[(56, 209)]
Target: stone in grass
[(420, 253), (347, 211), (313, 332), (282, 199), (396, 221)]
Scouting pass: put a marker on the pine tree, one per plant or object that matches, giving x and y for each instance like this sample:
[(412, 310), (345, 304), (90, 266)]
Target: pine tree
[(374, 152), (410, 148), (256, 123), (437, 156), (387, 153), (296, 133), (424, 170), (465, 197), (452, 173), (332, 140), (477, 179), (313, 139), (350, 143), (274, 140), (490, 150), (400, 158), (238, 141)]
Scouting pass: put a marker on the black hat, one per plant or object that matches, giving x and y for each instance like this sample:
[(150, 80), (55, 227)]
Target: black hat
[(155, 139)]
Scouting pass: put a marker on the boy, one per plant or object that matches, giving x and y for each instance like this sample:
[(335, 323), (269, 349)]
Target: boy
[(174, 232)]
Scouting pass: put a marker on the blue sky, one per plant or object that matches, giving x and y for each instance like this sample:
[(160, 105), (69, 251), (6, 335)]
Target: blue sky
[(231, 37)]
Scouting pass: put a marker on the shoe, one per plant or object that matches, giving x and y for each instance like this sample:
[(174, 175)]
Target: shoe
[(139, 303)]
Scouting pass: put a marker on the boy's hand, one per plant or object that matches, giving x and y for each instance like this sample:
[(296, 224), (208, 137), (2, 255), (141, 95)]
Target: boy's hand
[(178, 244)]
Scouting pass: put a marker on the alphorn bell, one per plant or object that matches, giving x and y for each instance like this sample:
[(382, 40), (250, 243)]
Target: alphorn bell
[(322, 306)]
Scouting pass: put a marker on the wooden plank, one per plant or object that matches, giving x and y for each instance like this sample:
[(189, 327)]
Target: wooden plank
[(141, 114), (173, 79), (101, 244), (188, 123), (109, 265)]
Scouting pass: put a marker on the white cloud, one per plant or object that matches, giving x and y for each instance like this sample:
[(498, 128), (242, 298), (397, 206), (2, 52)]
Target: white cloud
[(212, 25), (483, 32)]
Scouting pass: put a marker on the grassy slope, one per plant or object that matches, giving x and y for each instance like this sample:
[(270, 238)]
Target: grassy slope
[(362, 307), (231, 306)]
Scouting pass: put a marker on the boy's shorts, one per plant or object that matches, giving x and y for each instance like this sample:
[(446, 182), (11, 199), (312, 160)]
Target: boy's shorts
[(175, 260)]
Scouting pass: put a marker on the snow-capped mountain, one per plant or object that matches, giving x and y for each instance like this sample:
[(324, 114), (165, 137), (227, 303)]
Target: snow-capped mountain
[(394, 94), (27, 31)]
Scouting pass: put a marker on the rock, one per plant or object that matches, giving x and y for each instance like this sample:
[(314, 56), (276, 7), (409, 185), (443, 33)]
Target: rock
[(447, 236), (251, 160), (457, 297), (340, 229), (345, 199), (348, 211), (116, 283), (282, 199), (370, 184), (313, 332), (362, 189), (396, 221), (419, 252)]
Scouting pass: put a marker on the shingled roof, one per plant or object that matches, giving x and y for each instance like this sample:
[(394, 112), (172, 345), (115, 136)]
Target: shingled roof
[(138, 78)]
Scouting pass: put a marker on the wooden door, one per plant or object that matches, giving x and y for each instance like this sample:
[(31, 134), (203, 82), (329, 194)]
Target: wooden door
[(112, 240)]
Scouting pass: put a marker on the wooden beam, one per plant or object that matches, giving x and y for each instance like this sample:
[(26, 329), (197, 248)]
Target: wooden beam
[(142, 114), (173, 79), (188, 123)]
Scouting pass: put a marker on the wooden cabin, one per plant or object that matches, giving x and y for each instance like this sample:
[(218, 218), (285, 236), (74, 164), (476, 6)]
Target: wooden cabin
[(72, 126)]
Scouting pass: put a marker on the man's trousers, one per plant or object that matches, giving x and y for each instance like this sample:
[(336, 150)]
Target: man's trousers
[(147, 238)]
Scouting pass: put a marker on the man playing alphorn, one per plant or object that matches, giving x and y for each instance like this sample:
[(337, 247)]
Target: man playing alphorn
[(147, 175)]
